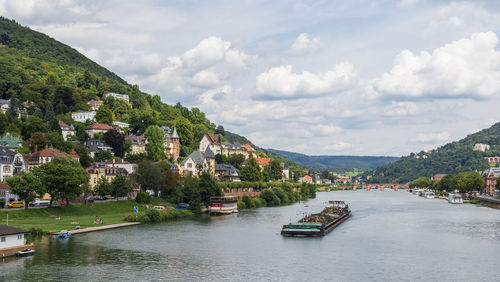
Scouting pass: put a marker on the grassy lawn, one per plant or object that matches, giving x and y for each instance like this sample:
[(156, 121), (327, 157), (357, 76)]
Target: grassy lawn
[(60, 218)]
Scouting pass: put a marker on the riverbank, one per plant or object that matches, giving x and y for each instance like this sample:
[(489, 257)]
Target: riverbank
[(55, 219)]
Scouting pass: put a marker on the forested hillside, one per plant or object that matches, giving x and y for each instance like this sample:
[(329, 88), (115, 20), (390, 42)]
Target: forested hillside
[(332, 162), (46, 80), (451, 158)]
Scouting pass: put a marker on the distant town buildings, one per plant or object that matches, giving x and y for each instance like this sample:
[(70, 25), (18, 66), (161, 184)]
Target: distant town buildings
[(490, 180), (96, 145), (198, 162), (104, 170), (121, 124), (4, 105), (438, 177), (45, 156), (227, 172), (11, 163), (11, 142), (138, 144), (172, 143), (94, 104), (492, 159)]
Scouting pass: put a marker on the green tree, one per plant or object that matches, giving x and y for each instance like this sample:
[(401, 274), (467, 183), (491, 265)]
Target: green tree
[(422, 182), (185, 131), (104, 115), (149, 176), (62, 178), (447, 183), (156, 139), (116, 140), (192, 194), (38, 113), (120, 186), (4, 122), (102, 156), (251, 172), (103, 187), (208, 187), (84, 154), (469, 181), (49, 113), (27, 187)]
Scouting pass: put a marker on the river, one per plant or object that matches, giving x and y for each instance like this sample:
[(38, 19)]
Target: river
[(392, 236)]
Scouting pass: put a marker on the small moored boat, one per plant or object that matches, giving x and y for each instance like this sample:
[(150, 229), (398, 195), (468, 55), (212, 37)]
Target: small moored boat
[(455, 198), (27, 252), (429, 195), (223, 205), (64, 234)]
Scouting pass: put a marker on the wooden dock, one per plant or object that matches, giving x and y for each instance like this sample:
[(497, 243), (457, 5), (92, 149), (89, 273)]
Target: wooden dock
[(99, 228)]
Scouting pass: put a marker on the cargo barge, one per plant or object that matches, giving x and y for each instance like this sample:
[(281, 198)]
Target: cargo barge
[(223, 205), (321, 223)]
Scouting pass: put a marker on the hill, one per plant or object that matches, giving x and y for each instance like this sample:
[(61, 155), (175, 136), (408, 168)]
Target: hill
[(452, 158), (332, 162), (54, 80)]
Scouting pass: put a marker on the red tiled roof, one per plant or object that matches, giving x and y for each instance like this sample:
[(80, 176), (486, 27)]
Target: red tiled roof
[(4, 186), (308, 177), (47, 152), (248, 147), (263, 161), (214, 138), (100, 126)]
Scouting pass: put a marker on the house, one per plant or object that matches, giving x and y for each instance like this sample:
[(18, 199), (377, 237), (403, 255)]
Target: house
[(94, 104), (99, 170), (492, 159), (138, 144), (83, 116), (316, 179), (481, 147), (97, 128), (327, 181), (172, 143), (263, 162), (118, 96), (285, 172), (4, 105), (227, 172), (129, 167), (6, 195), (306, 179), (197, 162), (45, 156), (121, 124), (438, 177), (95, 145), (11, 142), (11, 163), (213, 141), (66, 130), (233, 149), (490, 180), (12, 240), (250, 152)]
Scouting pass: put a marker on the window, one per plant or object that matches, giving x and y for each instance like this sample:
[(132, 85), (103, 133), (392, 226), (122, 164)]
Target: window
[(190, 165), (2, 239), (20, 237)]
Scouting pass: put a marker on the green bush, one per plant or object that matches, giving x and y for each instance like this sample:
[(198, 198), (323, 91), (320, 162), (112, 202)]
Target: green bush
[(143, 198), (2, 204), (270, 197), (154, 215)]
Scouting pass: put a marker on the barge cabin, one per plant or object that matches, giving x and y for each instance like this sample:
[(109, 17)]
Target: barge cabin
[(223, 205)]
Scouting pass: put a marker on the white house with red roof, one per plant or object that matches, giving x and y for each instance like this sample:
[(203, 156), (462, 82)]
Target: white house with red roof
[(97, 128), (45, 156), (66, 130)]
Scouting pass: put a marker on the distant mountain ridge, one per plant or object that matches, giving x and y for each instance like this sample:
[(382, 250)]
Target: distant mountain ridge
[(325, 162)]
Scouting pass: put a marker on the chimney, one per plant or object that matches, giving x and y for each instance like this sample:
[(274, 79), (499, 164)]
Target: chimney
[(36, 148)]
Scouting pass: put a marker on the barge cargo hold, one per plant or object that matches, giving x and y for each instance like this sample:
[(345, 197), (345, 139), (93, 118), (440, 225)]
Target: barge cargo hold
[(321, 223)]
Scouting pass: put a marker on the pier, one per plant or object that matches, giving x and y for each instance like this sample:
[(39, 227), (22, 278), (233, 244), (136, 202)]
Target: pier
[(99, 228)]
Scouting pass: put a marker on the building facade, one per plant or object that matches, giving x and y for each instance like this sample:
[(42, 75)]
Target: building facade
[(97, 128), (66, 130), (172, 143), (11, 163), (100, 170), (118, 96), (490, 180), (138, 144), (83, 116), (45, 156)]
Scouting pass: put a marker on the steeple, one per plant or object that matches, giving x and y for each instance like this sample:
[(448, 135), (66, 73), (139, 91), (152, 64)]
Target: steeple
[(175, 135)]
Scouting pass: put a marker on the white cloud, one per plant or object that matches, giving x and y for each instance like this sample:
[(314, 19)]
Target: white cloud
[(467, 68), (303, 44), (339, 146), (326, 129), (401, 109), (205, 78), (407, 3), (38, 10), (432, 137), (281, 82)]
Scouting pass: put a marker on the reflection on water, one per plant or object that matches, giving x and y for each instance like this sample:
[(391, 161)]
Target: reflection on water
[(391, 236)]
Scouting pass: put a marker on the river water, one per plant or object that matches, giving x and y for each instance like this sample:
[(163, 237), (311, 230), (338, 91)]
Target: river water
[(392, 236)]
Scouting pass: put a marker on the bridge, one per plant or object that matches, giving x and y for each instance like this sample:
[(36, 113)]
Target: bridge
[(380, 187)]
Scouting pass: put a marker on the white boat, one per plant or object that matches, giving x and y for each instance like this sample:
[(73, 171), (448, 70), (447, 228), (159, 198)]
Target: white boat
[(429, 195), (417, 191), (27, 252), (455, 198)]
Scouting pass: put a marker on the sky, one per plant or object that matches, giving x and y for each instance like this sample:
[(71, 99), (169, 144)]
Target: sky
[(315, 77)]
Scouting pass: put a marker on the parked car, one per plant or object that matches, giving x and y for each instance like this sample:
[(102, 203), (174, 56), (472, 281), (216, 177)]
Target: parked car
[(100, 198), (182, 206), (90, 199), (159, 207), (16, 204)]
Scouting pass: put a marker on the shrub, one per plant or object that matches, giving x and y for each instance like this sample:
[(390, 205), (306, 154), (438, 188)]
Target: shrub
[(282, 195), (2, 204), (270, 197), (143, 198), (154, 215)]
